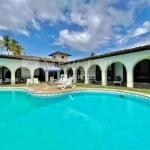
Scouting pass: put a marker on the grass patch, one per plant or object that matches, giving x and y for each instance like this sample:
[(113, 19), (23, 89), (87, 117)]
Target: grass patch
[(15, 85), (19, 85), (119, 88), (96, 86)]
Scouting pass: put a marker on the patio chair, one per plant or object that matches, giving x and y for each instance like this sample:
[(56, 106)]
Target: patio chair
[(7, 80), (35, 80), (117, 80), (62, 82), (29, 81), (51, 80)]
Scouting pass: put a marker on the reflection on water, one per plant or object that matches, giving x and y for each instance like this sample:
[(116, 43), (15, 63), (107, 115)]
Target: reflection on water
[(73, 121)]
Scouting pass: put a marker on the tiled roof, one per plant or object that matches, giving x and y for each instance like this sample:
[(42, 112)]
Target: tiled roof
[(114, 53), (25, 57), (44, 59), (59, 52)]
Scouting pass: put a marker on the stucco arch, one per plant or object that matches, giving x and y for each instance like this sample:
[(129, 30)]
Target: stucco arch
[(141, 73), (94, 64), (21, 74), (116, 70), (23, 67), (139, 60), (133, 65), (5, 74), (94, 73), (115, 61), (5, 67), (80, 74), (39, 73), (39, 68), (79, 67), (70, 72), (61, 71)]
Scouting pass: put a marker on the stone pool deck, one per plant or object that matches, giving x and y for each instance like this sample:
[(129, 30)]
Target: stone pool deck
[(47, 88)]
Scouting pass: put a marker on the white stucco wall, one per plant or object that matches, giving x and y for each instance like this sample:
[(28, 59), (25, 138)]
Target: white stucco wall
[(128, 60), (14, 64), (0, 73), (59, 57)]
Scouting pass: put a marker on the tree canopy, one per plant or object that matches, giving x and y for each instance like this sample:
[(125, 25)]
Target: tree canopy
[(11, 45)]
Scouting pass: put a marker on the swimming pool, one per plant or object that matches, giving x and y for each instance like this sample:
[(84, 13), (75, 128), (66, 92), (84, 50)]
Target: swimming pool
[(90, 120)]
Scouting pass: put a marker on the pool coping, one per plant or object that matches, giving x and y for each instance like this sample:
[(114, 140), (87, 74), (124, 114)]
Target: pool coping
[(126, 92)]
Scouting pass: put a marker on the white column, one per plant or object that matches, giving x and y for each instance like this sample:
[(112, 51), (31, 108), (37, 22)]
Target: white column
[(104, 77), (74, 75), (58, 75), (65, 71), (86, 76), (31, 74), (12, 77), (130, 78), (46, 76)]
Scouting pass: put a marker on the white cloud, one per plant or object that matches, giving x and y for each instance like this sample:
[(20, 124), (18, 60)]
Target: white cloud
[(141, 42), (138, 4), (135, 33), (14, 15), (76, 40), (36, 24), (96, 19), (24, 14), (24, 32), (145, 28), (96, 22), (140, 31), (3, 27)]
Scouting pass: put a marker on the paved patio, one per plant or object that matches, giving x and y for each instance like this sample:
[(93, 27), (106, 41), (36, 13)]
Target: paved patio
[(47, 88)]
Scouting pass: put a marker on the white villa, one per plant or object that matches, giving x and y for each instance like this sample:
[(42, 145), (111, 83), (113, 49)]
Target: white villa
[(59, 56), (132, 66)]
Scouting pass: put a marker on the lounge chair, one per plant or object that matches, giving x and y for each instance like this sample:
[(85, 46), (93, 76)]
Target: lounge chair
[(59, 81), (62, 80), (67, 83), (117, 81)]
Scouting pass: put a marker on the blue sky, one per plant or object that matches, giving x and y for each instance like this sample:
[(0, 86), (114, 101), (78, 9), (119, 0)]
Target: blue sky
[(77, 27)]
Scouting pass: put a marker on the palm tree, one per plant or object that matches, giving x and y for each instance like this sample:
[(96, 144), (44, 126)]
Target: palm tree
[(18, 50), (11, 45), (5, 42)]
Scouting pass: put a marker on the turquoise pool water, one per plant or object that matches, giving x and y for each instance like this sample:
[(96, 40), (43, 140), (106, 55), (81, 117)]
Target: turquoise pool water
[(90, 120)]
